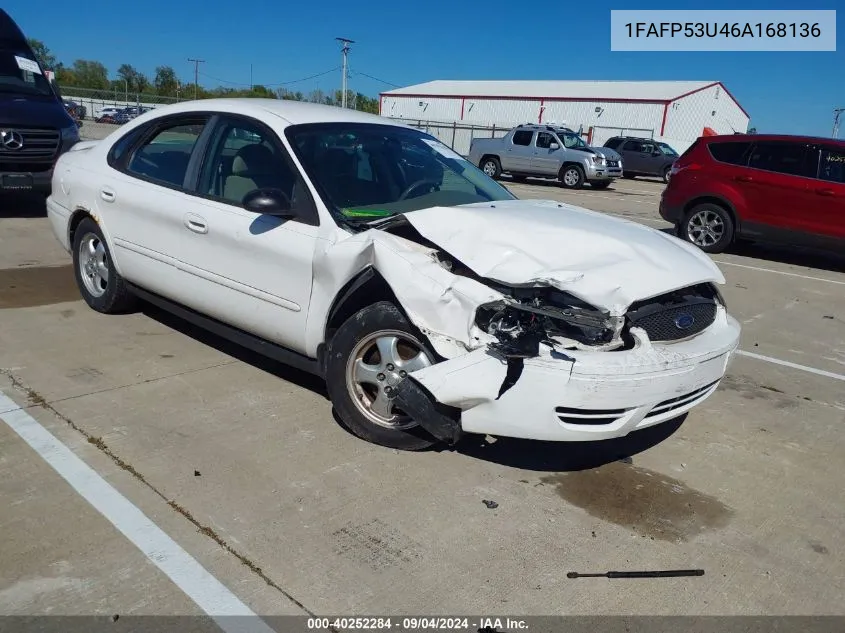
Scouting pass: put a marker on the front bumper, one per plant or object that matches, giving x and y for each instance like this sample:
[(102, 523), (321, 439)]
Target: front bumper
[(584, 395), (600, 172)]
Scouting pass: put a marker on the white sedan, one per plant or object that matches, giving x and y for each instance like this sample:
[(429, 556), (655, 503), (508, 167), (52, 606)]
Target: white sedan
[(432, 301)]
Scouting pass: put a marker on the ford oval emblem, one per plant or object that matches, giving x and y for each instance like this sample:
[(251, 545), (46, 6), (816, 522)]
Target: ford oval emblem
[(684, 321)]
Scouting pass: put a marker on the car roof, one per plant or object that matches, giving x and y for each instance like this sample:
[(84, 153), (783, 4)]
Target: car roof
[(292, 112), (773, 137)]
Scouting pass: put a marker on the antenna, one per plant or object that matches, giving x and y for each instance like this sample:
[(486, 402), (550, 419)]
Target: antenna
[(345, 51)]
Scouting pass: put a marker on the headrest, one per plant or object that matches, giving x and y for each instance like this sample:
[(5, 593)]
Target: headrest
[(253, 159)]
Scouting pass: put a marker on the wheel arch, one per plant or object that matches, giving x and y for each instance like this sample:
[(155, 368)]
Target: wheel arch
[(76, 217), (365, 288), (716, 199)]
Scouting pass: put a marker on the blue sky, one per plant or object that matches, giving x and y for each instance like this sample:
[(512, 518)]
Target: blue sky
[(411, 42)]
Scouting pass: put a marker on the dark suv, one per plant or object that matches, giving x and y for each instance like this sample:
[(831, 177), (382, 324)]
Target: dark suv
[(643, 156), (35, 127), (787, 189)]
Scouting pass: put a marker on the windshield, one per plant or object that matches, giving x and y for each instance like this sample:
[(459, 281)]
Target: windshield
[(572, 141), (666, 149), (19, 73), (366, 171)]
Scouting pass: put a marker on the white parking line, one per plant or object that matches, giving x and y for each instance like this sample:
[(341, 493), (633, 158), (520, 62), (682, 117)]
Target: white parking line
[(786, 363), (199, 585), (780, 272)]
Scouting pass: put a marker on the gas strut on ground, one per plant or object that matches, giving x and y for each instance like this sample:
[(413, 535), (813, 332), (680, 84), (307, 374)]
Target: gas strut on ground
[(670, 573)]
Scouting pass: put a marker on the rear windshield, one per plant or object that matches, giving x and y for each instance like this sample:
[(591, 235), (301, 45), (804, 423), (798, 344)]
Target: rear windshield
[(21, 74)]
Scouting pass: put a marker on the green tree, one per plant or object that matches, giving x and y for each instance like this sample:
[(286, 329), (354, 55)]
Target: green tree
[(90, 74), (131, 79), (44, 56), (165, 81)]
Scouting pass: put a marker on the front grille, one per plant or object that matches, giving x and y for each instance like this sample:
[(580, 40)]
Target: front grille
[(681, 401), (40, 146), (676, 315), (612, 163), (666, 325)]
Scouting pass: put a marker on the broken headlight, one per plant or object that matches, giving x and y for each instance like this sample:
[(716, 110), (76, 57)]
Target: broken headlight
[(547, 315)]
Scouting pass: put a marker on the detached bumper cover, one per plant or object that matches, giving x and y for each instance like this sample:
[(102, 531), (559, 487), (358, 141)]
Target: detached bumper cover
[(582, 395)]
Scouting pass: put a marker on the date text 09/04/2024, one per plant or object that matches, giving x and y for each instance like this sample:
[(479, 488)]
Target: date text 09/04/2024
[(416, 623), (715, 29)]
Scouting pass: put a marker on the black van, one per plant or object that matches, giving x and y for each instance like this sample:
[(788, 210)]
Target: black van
[(35, 127)]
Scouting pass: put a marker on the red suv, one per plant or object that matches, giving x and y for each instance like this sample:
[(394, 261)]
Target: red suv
[(787, 189)]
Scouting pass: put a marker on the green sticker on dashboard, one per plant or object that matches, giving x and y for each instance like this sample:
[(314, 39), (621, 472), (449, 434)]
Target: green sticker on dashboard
[(366, 213)]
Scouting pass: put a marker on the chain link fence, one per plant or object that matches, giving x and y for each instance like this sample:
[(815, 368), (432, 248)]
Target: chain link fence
[(100, 112), (456, 135)]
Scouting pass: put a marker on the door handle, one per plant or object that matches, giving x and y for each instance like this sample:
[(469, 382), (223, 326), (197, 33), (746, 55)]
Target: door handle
[(107, 195), (743, 178), (196, 223), (826, 192)]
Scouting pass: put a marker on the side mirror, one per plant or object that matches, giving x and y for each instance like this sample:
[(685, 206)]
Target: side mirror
[(554, 146), (273, 202), (656, 153)]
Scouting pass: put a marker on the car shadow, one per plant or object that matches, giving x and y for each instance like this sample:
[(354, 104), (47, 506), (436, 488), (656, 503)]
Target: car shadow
[(794, 255), (280, 370), (535, 455), (19, 205)]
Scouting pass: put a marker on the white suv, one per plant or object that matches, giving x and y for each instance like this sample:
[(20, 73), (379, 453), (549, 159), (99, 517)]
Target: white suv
[(431, 299)]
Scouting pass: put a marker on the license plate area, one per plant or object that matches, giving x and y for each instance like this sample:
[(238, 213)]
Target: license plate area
[(16, 182)]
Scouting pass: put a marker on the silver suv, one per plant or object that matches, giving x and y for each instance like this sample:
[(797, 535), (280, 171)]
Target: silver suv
[(547, 152)]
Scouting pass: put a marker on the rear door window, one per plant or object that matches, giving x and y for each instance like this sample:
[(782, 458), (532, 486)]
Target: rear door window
[(633, 146), (522, 137), (793, 159), (164, 158), (731, 152)]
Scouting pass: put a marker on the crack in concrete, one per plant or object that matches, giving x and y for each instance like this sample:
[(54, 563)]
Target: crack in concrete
[(37, 400)]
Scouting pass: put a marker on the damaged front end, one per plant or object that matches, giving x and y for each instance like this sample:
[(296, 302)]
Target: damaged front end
[(527, 317)]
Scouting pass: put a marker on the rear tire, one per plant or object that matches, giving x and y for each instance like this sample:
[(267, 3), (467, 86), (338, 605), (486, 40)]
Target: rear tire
[(491, 166), (708, 226), (628, 176), (364, 360), (571, 176), (100, 285)]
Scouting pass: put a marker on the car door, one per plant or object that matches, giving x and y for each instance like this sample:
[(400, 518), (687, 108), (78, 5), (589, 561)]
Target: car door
[(632, 156), (650, 159), (254, 270), (141, 200), (825, 205), (547, 151), (776, 186), (519, 153)]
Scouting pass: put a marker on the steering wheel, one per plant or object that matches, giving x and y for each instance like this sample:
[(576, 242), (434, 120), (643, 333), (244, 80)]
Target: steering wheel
[(417, 184)]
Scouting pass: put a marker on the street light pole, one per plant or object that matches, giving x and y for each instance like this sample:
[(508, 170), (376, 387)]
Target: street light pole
[(345, 51), (836, 115)]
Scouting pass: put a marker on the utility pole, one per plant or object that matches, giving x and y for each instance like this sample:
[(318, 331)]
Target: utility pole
[(836, 114), (197, 63), (250, 77), (345, 51)]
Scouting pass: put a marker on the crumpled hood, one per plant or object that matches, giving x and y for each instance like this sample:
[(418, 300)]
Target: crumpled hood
[(606, 261)]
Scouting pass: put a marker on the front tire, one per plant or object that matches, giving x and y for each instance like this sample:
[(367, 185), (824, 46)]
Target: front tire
[(666, 174), (708, 226), (100, 285), (572, 176), (366, 359), (491, 166)]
